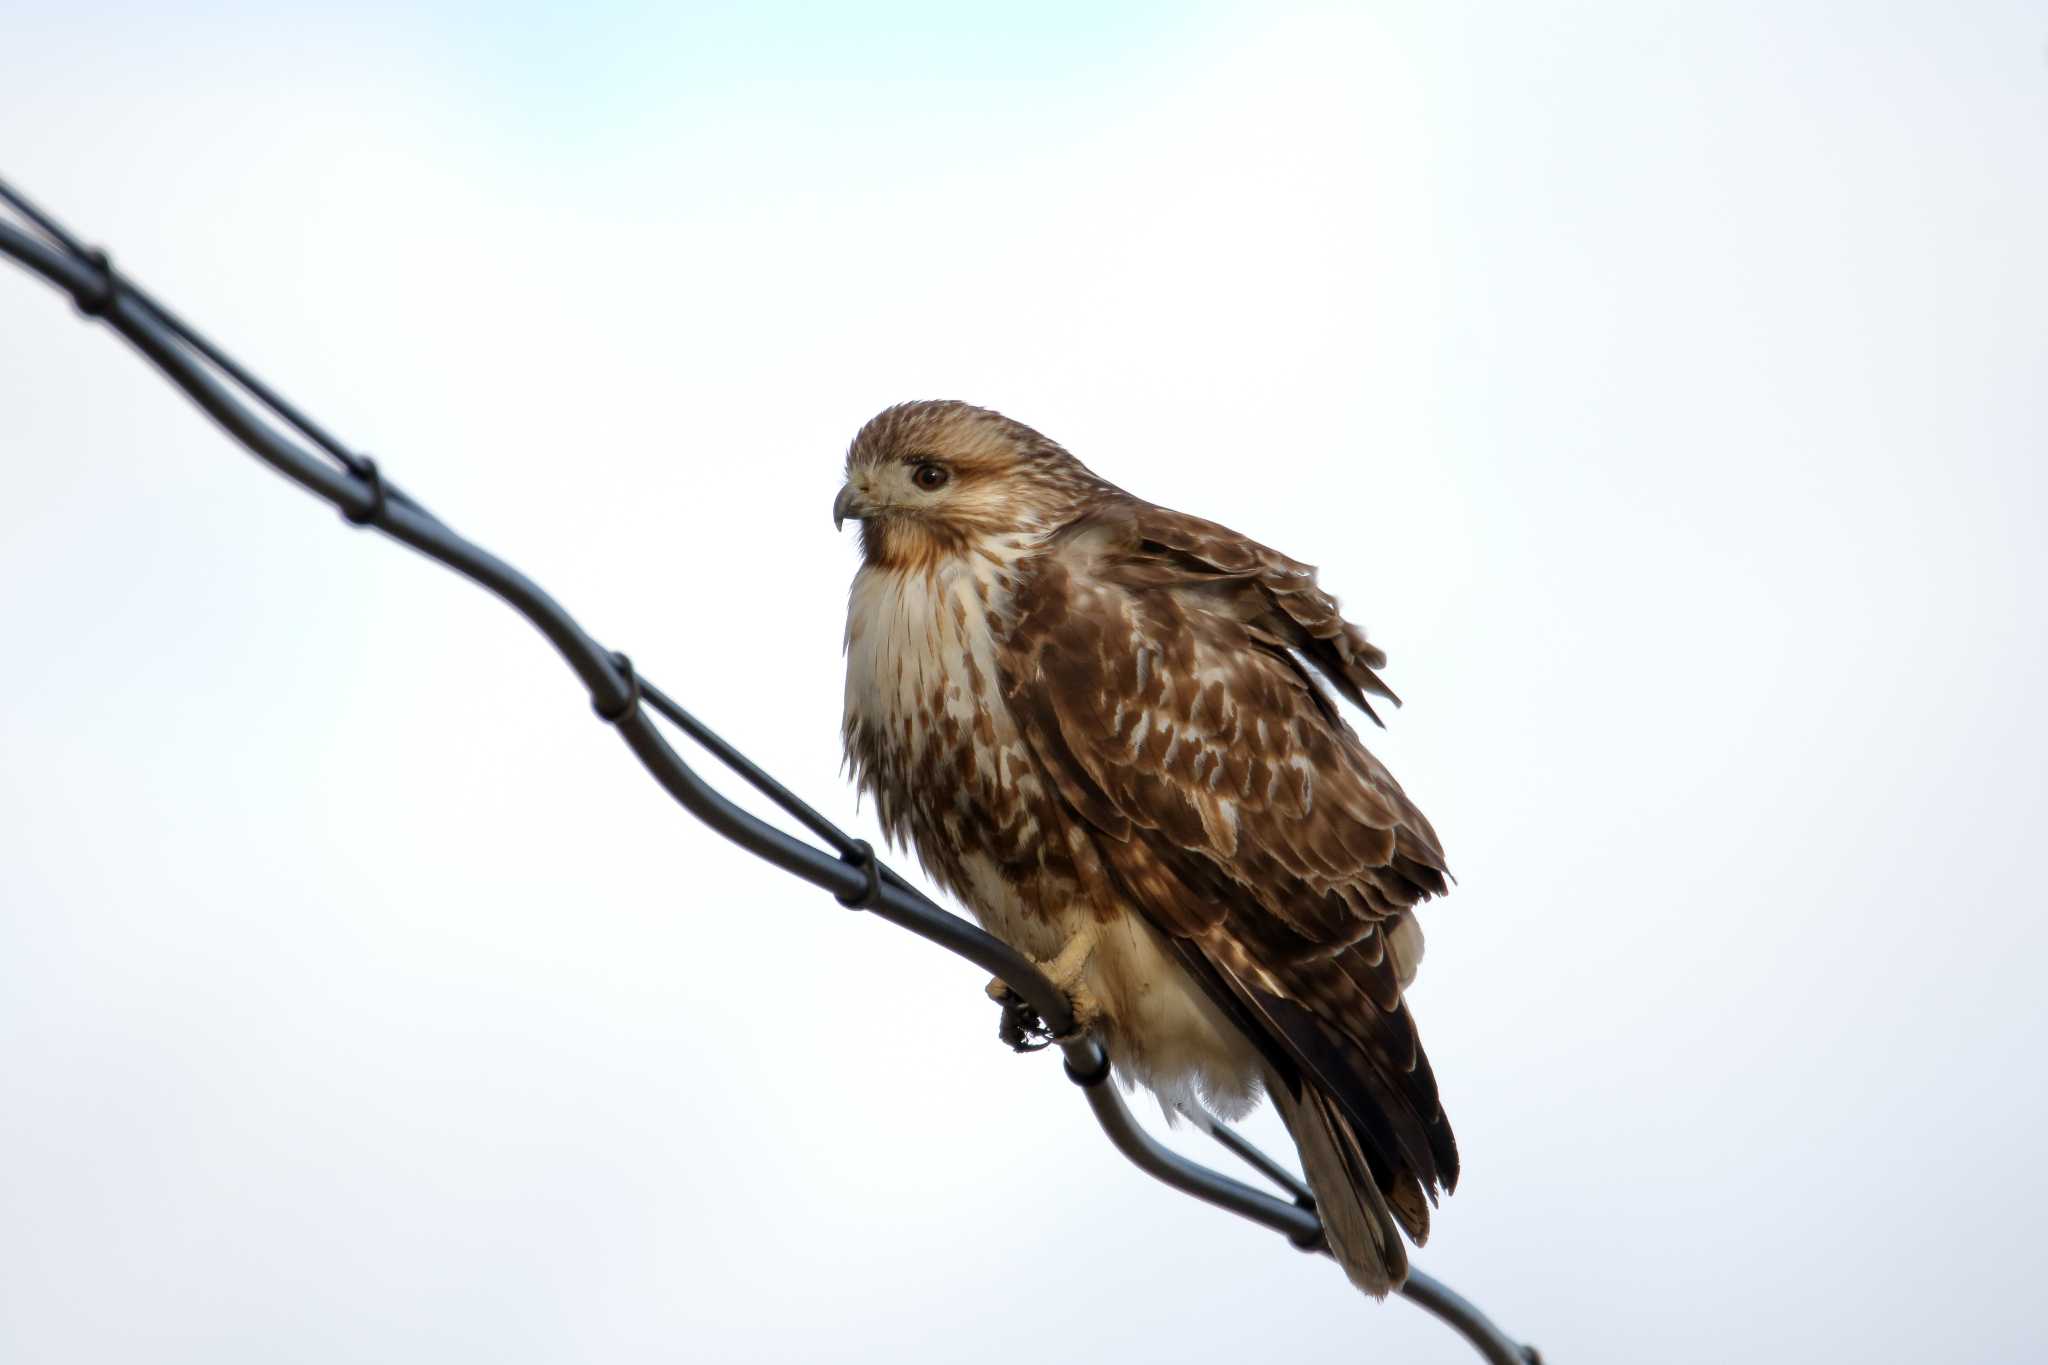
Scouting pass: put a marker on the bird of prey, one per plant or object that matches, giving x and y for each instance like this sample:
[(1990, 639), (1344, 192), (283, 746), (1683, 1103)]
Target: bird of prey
[(1107, 728)]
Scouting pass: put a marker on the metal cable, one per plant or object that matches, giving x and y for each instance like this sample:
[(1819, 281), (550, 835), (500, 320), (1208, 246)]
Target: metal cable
[(850, 872)]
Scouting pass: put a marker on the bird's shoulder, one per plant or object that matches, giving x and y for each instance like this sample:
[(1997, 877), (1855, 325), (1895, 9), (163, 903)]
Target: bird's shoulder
[(1171, 674), (1175, 571)]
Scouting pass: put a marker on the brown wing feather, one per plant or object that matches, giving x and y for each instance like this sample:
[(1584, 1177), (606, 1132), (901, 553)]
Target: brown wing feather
[(1154, 664), (1305, 616)]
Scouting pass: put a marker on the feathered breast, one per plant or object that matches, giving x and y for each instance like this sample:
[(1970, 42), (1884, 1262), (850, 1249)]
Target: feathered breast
[(926, 729)]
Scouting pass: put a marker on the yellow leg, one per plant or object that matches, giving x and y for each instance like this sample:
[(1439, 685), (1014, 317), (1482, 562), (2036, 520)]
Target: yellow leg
[(1066, 971)]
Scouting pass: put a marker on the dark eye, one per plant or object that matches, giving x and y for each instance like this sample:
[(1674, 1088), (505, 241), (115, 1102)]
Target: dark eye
[(929, 476)]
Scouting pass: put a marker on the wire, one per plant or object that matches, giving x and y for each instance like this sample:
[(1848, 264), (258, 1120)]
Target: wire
[(850, 871)]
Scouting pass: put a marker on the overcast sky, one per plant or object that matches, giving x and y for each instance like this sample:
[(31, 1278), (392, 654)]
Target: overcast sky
[(1661, 385)]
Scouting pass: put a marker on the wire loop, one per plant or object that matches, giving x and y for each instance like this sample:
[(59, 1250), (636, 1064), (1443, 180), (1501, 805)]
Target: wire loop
[(612, 715), (365, 468), (862, 856), (98, 300), (1092, 1077)]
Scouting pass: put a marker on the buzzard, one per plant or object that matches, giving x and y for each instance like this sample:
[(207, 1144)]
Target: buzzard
[(1107, 728)]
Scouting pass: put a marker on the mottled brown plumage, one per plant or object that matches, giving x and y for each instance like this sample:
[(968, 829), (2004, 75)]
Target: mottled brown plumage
[(1103, 725)]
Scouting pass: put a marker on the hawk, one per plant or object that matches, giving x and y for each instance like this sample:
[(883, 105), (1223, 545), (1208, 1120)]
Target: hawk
[(1107, 728)]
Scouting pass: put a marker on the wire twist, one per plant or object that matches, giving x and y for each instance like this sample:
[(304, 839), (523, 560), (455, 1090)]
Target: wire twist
[(862, 856), (104, 291), (613, 712), (365, 468)]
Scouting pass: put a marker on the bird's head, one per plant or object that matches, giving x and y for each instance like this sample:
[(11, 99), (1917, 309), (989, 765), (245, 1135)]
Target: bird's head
[(931, 479)]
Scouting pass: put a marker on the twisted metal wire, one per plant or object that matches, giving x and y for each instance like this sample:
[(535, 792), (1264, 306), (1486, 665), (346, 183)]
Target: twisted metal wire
[(622, 699)]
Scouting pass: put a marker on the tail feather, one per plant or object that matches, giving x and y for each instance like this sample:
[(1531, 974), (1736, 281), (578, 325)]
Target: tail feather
[(1359, 1098), (1357, 1223)]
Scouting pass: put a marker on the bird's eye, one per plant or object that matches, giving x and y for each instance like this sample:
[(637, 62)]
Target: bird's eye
[(930, 477)]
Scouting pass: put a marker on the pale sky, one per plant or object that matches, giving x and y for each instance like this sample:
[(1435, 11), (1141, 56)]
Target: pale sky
[(1661, 386)]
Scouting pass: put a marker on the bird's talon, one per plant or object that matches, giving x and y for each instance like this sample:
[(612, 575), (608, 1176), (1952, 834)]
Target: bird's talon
[(1020, 1029)]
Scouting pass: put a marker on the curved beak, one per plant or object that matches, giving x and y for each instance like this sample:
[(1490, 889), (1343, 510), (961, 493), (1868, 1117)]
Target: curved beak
[(846, 505)]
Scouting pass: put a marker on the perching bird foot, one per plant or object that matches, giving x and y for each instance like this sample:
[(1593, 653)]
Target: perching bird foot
[(1022, 1029)]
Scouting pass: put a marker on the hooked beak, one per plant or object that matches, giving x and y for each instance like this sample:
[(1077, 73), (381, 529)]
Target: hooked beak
[(846, 505)]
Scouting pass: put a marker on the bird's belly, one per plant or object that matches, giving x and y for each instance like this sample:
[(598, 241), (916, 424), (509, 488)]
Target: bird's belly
[(1161, 1028)]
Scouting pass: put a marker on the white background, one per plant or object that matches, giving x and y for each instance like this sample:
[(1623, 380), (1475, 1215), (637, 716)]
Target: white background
[(1661, 385)]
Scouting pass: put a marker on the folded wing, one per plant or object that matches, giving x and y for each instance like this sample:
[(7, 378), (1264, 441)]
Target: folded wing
[(1160, 668)]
